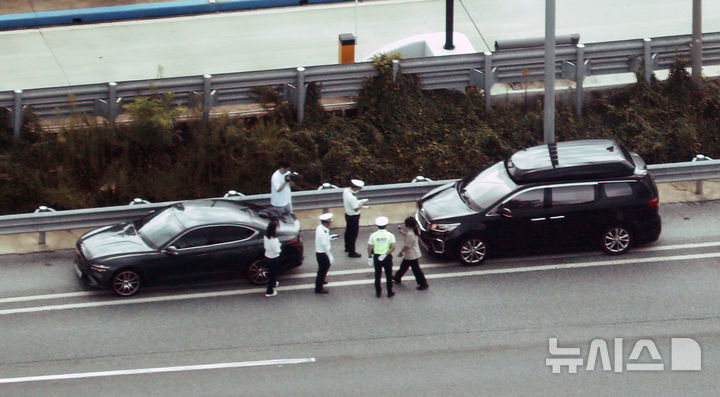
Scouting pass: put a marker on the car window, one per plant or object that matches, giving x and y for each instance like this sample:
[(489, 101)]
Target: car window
[(530, 200), (225, 234), (572, 195), (486, 188), (615, 190), (194, 238), (161, 227)]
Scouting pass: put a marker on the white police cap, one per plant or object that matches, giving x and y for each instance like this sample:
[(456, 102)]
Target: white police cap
[(381, 221), (326, 216), (357, 183)]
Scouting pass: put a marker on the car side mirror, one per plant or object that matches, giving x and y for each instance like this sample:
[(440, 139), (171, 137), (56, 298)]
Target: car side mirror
[(506, 212), (171, 250)]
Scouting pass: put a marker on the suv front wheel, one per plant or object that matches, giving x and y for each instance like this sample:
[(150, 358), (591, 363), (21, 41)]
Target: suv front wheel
[(472, 250), (616, 240)]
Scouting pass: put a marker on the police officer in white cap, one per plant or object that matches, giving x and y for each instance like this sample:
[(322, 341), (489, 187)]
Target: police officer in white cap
[(381, 245), (352, 215), (322, 251)]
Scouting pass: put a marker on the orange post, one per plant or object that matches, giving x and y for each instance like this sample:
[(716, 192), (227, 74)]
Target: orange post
[(346, 48)]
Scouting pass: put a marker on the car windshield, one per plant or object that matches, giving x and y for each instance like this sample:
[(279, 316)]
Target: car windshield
[(484, 189), (160, 228)]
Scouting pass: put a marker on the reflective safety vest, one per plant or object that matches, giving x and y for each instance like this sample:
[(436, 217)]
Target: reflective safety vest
[(381, 241)]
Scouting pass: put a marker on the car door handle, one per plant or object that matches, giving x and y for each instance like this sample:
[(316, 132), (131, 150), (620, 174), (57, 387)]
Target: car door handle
[(537, 219), (558, 217)]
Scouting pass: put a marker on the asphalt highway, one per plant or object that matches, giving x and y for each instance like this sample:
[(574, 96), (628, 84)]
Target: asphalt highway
[(477, 331), (290, 37)]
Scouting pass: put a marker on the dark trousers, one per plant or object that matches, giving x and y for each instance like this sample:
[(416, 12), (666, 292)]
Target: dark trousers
[(323, 267), (379, 266), (413, 264), (352, 227), (275, 267)]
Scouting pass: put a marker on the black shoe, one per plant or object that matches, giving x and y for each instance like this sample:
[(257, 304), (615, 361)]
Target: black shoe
[(423, 287), (321, 291), (391, 294), (354, 255), (378, 293), (397, 280)]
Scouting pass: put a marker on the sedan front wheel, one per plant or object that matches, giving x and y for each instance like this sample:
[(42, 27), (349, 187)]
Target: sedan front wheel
[(126, 282)]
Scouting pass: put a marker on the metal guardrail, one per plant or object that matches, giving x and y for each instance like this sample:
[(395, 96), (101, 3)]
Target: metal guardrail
[(302, 200), (574, 62)]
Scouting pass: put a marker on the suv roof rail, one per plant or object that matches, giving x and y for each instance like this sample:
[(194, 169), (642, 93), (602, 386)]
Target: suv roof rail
[(581, 159)]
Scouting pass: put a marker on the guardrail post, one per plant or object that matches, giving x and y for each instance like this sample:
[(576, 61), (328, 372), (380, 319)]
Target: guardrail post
[(17, 115), (396, 68), (648, 59), (113, 102), (111, 108), (208, 97), (699, 182), (41, 235), (300, 94)]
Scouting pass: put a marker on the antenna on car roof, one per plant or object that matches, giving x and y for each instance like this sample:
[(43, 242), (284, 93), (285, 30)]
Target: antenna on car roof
[(552, 148)]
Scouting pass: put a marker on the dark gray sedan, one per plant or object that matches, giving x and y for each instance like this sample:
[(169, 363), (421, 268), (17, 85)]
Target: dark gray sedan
[(185, 240)]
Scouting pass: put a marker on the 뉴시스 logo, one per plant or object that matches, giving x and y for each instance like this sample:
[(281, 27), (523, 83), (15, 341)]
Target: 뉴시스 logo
[(685, 355)]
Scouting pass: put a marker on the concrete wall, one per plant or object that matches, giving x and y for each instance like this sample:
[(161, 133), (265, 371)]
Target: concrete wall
[(139, 11)]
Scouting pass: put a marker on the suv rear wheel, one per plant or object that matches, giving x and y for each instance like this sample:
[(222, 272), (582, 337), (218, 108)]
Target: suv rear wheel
[(472, 250), (616, 240)]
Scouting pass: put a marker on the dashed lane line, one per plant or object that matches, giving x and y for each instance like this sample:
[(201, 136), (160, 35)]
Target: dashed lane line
[(203, 295), (202, 367), (337, 273)]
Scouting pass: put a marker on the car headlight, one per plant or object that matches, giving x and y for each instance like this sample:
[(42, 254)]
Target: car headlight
[(443, 227), (99, 268)]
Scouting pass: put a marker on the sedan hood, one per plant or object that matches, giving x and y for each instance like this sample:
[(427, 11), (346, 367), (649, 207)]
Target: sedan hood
[(444, 202), (112, 240)]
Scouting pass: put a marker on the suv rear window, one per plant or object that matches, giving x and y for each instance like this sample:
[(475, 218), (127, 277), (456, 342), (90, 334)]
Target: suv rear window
[(572, 195), (616, 190)]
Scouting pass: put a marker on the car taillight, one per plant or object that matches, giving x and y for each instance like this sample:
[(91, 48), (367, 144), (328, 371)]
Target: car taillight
[(654, 203)]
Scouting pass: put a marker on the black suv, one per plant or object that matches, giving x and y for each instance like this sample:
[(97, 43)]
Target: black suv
[(565, 193)]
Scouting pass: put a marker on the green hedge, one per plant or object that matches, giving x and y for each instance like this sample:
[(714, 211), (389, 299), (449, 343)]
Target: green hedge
[(397, 132)]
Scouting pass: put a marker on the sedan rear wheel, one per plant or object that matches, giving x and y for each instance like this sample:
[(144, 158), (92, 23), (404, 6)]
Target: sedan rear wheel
[(126, 282), (472, 251), (616, 240), (259, 272)]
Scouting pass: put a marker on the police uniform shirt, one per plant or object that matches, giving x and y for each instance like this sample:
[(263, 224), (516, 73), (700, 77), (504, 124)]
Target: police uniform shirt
[(322, 239), (351, 202), (381, 241)]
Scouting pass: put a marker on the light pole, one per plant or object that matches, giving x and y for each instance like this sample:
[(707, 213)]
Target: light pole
[(549, 105), (696, 47), (449, 24)]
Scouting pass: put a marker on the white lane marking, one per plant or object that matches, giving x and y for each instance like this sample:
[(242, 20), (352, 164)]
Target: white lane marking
[(202, 295), (158, 370), (341, 273), (50, 296), (677, 247)]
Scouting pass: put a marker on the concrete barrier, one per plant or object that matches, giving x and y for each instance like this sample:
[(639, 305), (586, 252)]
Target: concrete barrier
[(138, 11)]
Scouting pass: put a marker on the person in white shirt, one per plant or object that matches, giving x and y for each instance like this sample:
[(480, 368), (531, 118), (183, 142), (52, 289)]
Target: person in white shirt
[(352, 215), (281, 188), (322, 252), (272, 246)]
